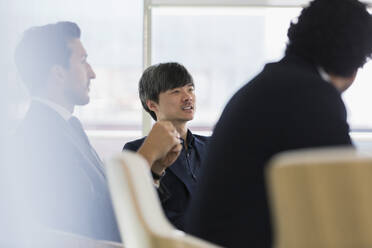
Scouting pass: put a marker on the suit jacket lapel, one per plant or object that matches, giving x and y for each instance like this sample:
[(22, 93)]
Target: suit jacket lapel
[(61, 126), (179, 167), (180, 170), (87, 152)]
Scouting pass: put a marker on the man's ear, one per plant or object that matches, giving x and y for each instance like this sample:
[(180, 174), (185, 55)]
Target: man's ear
[(152, 105), (58, 73)]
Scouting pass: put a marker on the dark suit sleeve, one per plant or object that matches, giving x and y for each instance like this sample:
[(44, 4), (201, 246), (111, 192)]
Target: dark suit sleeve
[(265, 117), (131, 146)]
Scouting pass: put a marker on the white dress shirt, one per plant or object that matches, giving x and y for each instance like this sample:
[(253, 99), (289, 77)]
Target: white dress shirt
[(66, 115)]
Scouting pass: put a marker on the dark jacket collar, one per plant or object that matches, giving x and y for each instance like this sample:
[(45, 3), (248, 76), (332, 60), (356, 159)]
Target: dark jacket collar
[(189, 139), (293, 59)]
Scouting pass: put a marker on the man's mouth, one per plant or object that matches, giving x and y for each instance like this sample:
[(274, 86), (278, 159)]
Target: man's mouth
[(187, 108)]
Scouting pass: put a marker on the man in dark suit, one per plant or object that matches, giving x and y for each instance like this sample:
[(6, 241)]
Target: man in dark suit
[(167, 94), (294, 103), (61, 178)]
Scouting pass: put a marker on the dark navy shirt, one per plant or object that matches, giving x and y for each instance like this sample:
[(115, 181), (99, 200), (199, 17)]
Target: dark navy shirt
[(180, 181), (189, 157)]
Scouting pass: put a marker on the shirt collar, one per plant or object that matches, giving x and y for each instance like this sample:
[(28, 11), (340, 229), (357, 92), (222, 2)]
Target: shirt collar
[(66, 115), (189, 138), (324, 75)]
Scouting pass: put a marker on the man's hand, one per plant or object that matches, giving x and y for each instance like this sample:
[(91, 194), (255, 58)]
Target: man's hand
[(161, 147), (161, 164)]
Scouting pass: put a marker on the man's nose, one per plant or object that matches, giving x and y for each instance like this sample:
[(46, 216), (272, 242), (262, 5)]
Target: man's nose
[(187, 96), (91, 73)]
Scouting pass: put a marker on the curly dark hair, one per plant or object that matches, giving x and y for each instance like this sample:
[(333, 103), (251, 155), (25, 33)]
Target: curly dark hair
[(160, 78), (42, 47), (334, 34)]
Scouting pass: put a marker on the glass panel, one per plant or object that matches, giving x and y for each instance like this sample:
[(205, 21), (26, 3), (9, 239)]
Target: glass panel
[(112, 36), (358, 100), (223, 48), (230, 2)]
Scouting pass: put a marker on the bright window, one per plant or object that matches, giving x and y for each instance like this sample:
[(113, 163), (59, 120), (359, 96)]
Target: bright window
[(112, 36), (223, 48), (358, 100)]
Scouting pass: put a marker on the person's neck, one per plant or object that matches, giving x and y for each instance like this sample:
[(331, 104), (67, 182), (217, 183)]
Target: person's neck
[(61, 101), (342, 83), (181, 129)]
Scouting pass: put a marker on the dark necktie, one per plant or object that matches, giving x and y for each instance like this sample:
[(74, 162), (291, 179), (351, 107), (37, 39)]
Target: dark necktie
[(79, 131)]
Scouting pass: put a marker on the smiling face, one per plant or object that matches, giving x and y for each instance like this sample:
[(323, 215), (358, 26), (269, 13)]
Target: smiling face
[(175, 105), (78, 75)]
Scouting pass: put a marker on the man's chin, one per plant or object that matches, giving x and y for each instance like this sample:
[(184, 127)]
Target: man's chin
[(190, 118), (187, 119), (83, 101)]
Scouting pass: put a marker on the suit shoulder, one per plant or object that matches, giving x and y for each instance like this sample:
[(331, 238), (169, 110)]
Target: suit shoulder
[(134, 145)]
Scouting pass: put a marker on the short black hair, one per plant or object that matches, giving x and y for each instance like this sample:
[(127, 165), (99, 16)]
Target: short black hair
[(160, 78), (333, 34), (41, 48)]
